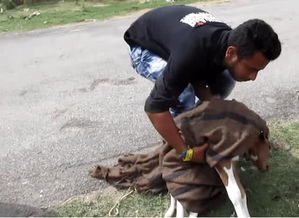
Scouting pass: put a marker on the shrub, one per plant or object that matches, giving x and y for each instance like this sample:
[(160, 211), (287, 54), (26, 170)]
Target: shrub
[(11, 4)]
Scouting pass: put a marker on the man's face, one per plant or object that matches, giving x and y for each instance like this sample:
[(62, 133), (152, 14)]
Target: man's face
[(247, 68)]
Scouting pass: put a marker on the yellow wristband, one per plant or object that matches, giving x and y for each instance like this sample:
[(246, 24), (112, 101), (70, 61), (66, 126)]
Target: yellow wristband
[(189, 155)]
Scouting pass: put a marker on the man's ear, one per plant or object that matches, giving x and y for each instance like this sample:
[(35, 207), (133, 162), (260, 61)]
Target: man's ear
[(231, 53)]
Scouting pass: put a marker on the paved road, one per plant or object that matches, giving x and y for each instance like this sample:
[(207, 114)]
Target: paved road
[(69, 100)]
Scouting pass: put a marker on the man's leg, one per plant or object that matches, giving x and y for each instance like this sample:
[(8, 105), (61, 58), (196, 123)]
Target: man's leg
[(147, 64), (151, 67), (186, 99)]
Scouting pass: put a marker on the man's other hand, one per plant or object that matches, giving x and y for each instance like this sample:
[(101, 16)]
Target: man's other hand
[(199, 153)]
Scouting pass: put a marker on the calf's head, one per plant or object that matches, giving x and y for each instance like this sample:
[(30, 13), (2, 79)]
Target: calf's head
[(259, 153)]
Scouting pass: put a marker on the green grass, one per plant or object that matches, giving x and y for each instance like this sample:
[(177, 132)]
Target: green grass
[(64, 12), (285, 134), (274, 193)]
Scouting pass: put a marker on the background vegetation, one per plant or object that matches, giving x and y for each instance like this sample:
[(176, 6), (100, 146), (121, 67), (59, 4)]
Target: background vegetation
[(23, 15)]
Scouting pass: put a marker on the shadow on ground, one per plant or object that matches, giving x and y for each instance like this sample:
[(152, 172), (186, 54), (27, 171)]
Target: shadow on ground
[(18, 210)]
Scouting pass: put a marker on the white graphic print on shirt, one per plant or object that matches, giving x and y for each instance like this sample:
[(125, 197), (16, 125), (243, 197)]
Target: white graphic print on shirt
[(198, 19)]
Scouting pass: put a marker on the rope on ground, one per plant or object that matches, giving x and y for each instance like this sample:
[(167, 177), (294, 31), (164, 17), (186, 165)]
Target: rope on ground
[(117, 204)]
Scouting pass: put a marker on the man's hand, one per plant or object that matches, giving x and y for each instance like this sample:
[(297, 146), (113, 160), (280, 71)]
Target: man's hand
[(199, 153), (164, 124)]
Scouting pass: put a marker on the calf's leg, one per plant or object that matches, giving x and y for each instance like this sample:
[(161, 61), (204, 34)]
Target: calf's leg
[(171, 209), (236, 193)]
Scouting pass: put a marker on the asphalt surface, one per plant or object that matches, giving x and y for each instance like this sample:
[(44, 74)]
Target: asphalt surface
[(69, 100)]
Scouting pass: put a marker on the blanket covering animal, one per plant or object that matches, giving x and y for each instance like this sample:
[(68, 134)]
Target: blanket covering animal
[(230, 129)]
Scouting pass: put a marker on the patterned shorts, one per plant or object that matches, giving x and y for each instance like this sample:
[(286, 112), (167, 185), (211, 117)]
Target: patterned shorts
[(146, 63)]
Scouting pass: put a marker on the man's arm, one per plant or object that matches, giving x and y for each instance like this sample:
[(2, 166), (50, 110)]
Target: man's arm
[(157, 104), (165, 125)]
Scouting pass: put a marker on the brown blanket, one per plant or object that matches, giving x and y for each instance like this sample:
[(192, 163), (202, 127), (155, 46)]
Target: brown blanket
[(230, 129)]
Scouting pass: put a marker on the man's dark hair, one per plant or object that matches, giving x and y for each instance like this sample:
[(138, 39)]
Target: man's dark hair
[(255, 35)]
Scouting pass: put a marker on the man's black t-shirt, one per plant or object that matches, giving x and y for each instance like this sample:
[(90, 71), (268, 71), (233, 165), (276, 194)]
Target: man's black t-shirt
[(193, 43)]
